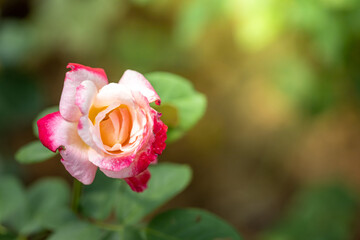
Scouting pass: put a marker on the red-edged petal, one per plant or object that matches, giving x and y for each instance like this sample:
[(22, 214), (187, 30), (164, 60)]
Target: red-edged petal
[(73, 79), (57, 133), (160, 130), (136, 167), (144, 159), (137, 82), (110, 163), (49, 127), (139, 182)]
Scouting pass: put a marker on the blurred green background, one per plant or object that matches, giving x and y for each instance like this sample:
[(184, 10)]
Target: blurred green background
[(277, 153)]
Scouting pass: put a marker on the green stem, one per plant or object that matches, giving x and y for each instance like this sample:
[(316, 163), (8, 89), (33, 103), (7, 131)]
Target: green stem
[(76, 194)]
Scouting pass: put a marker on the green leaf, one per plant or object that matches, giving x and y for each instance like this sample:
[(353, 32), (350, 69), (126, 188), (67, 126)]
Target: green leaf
[(185, 105), (100, 197), (167, 180), (189, 224), (43, 114), (12, 196), (13, 203), (127, 233), (49, 201), (78, 231), (327, 212), (33, 152), (105, 194)]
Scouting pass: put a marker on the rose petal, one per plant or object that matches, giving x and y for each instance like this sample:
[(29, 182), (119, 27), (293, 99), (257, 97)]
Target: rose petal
[(139, 182), (85, 96), (113, 163), (114, 93), (73, 79), (87, 131), (139, 164), (88, 134), (109, 133), (126, 125), (136, 165), (91, 134), (137, 82), (57, 133), (76, 161), (49, 127), (159, 130)]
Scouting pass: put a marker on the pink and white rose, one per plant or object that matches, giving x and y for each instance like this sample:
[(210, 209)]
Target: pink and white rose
[(105, 125)]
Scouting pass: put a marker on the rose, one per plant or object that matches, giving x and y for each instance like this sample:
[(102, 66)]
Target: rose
[(110, 126)]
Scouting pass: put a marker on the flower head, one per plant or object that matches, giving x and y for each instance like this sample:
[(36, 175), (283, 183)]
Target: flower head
[(110, 126)]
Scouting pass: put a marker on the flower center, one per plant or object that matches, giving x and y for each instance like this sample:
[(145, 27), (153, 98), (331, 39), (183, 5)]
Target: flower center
[(115, 128)]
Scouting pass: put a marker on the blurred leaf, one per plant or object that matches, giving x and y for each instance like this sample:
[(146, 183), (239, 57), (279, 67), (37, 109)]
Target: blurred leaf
[(329, 42), (171, 118), (43, 113), (194, 18), (78, 231), (8, 236), (127, 233), (141, 2), (339, 4), (12, 196), (100, 197), (189, 224), (33, 152), (16, 41), (326, 30), (81, 35), (137, 42), (105, 194), (324, 213), (258, 22), (299, 82), (20, 98), (167, 180), (49, 201), (178, 92), (44, 207), (13, 203)]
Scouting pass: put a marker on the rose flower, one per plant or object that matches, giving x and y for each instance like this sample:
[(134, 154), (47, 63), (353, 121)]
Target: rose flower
[(110, 126)]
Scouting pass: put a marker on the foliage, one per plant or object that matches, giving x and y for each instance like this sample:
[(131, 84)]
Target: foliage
[(44, 208), (167, 180), (109, 209), (305, 50), (182, 106), (325, 212), (190, 224), (33, 152)]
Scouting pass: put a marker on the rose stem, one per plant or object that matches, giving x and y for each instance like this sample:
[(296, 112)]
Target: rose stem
[(76, 194)]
